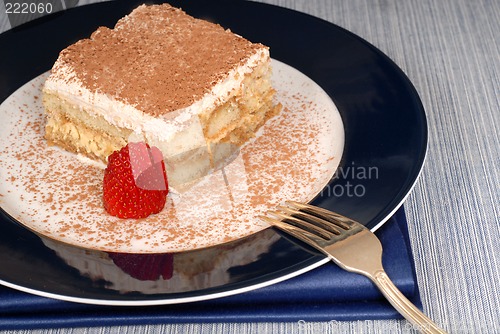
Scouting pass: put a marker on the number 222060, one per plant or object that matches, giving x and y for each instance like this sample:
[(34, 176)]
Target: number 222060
[(28, 8)]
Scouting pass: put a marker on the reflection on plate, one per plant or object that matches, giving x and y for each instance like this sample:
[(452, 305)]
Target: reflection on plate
[(157, 273), (58, 194)]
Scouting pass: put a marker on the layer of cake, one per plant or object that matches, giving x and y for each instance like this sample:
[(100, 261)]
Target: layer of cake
[(71, 127)]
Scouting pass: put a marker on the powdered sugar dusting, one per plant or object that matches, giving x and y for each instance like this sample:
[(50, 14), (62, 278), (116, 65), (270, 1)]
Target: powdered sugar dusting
[(58, 194)]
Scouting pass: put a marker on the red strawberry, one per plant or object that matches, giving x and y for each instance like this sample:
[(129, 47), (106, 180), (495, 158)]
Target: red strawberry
[(135, 182)]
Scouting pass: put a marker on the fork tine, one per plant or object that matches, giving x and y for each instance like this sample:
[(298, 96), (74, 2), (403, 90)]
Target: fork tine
[(301, 224), (303, 235), (327, 215), (304, 216)]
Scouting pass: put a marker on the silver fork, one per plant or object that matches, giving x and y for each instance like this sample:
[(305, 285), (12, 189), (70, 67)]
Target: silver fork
[(351, 246)]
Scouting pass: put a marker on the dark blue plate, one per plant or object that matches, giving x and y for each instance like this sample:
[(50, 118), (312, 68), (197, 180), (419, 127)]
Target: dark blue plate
[(385, 147)]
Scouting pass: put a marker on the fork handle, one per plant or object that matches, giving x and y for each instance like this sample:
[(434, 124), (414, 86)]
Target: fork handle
[(403, 305)]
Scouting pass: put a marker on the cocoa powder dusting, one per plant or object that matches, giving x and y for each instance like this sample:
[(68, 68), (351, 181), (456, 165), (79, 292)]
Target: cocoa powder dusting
[(158, 58)]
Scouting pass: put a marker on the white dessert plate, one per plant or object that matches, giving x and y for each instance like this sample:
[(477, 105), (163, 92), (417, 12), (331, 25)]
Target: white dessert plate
[(357, 130), (59, 194)]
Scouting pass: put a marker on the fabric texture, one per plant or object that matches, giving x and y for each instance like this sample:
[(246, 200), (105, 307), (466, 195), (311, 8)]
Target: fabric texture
[(450, 51)]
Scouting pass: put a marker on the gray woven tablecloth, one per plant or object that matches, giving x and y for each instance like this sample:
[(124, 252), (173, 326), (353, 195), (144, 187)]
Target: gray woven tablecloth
[(450, 50)]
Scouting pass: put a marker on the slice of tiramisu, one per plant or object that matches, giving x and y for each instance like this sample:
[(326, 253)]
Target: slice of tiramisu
[(187, 86)]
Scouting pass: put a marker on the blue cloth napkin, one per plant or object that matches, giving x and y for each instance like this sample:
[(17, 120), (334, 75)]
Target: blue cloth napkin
[(324, 294)]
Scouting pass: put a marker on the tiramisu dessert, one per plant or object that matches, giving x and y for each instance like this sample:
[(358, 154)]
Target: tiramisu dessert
[(187, 86)]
